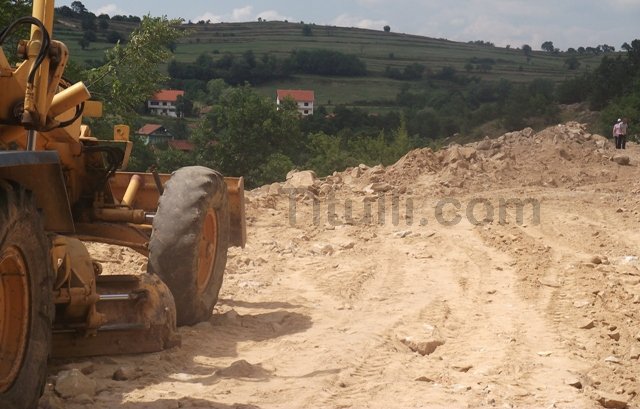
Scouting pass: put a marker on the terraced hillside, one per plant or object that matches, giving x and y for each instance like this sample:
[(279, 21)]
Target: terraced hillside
[(378, 49)]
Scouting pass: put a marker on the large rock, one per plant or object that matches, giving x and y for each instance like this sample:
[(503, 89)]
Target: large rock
[(73, 383), (301, 180)]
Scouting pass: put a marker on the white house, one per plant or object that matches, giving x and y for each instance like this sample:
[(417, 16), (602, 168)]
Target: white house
[(164, 102), (304, 99)]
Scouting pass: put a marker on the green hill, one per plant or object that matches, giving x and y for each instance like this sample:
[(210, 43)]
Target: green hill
[(379, 50)]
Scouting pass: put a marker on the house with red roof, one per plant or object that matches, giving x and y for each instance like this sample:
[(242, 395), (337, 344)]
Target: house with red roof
[(304, 98), (164, 102), (153, 134)]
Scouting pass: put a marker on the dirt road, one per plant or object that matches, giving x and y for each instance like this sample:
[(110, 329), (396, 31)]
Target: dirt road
[(444, 309)]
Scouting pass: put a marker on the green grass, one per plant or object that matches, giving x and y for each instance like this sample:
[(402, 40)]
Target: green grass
[(376, 48)]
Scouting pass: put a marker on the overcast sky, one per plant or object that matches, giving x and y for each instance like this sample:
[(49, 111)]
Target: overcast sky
[(568, 23)]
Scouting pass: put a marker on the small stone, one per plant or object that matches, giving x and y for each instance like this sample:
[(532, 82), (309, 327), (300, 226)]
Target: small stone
[(324, 249), (634, 353), (402, 234), (611, 401), (621, 159), (544, 353), (462, 367), (595, 260), (612, 359), (575, 382), (586, 324), (484, 145), (424, 379), (581, 303), (348, 246), (127, 373), (615, 335), (423, 342), (377, 187), (50, 401), (74, 383), (459, 388)]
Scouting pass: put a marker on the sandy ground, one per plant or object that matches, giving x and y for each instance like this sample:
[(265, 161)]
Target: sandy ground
[(337, 312)]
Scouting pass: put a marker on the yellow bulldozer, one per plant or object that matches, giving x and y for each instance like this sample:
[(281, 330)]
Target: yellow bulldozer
[(61, 187)]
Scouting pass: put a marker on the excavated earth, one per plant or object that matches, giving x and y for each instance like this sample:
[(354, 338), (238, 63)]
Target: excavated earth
[(503, 273)]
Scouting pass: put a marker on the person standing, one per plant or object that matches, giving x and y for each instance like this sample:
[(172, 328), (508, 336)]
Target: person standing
[(617, 133)]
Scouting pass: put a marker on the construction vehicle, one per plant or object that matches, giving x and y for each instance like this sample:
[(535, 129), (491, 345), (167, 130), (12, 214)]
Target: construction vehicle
[(61, 187)]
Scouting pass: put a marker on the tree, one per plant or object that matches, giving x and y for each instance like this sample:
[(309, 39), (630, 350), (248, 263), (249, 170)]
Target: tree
[(548, 46), (572, 63), (84, 43), (90, 36), (132, 72), (114, 37), (387, 29), (306, 30), (78, 7), (103, 24), (249, 130), (10, 10), (526, 49)]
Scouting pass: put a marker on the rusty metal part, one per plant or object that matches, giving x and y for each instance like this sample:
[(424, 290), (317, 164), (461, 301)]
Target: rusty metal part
[(75, 293), (157, 180), (139, 316), (237, 220), (135, 216), (14, 314)]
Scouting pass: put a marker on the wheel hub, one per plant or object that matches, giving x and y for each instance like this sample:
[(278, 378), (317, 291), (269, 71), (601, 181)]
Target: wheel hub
[(14, 314), (207, 250)]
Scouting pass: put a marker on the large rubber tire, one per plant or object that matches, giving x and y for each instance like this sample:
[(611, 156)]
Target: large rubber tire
[(189, 241), (26, 306)]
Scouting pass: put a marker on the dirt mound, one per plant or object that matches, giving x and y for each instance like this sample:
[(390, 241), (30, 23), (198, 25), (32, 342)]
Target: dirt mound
[(564, 156)]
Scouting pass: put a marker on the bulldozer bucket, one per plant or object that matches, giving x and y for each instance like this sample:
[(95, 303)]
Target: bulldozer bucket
[(137, 315)]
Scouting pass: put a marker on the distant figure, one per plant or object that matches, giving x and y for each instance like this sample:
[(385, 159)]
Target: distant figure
[(620, 133)]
